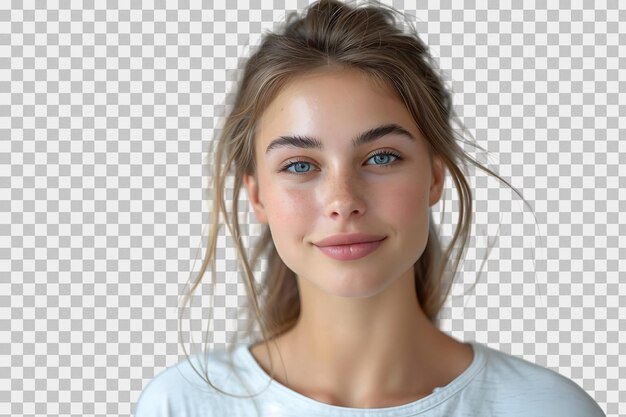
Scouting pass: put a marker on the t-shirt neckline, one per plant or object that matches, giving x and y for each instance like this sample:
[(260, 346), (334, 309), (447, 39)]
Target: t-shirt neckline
[(438, 396)]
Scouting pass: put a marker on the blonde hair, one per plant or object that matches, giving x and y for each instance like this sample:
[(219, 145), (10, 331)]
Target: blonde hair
[(368, 39)]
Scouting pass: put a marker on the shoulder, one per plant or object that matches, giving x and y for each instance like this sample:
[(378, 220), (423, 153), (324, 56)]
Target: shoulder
[(525, 388), (182, 389)]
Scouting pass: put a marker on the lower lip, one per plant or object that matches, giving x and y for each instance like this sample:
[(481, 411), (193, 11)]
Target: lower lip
[(350, 252)]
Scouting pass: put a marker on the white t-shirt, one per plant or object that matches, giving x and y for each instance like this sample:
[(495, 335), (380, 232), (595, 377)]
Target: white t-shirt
[(495, 384)]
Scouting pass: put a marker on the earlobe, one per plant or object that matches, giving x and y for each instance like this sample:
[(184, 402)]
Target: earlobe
[(438, 176), (252, 187)]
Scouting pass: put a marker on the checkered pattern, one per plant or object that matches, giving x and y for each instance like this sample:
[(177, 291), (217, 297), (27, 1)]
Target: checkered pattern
[(105, 115)]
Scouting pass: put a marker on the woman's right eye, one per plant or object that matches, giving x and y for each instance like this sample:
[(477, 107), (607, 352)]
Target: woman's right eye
[(297, 167)]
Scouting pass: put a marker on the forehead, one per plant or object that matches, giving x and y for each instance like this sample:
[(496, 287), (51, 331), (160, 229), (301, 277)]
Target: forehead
[(331, 102), (331, 83)]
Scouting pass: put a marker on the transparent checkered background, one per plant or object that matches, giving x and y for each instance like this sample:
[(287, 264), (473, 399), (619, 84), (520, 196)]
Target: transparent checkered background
[(106, 113)]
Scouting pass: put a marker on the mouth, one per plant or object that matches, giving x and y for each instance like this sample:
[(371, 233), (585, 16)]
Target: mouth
[(350, 251), (348, 239)]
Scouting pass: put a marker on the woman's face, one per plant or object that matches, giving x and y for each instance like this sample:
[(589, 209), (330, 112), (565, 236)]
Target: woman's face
[(316, 180)]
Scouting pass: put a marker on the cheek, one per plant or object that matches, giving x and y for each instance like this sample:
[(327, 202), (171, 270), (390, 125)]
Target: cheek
[(290, 216), (406, 201), (289, 207)]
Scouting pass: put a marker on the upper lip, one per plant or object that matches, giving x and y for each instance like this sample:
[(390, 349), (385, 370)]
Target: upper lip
[(348, 239)]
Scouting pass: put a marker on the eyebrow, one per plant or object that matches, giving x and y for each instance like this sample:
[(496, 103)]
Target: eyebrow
[(368, 136)]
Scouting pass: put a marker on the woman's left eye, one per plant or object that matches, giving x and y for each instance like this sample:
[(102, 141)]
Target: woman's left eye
[(384, 158)]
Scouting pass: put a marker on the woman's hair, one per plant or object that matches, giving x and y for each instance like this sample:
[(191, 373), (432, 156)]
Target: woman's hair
[(369, 39)]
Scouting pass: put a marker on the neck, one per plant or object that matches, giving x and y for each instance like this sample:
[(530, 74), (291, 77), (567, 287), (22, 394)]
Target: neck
[(344, 333), (366, 352)]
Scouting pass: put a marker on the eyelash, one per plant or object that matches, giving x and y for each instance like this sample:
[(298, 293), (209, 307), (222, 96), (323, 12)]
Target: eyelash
[(290, 163)]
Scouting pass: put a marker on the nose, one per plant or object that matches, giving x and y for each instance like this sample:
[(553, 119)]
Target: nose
[(342, 196)]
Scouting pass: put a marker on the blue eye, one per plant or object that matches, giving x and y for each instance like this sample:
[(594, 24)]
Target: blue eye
[(300, 167), (384, 158)]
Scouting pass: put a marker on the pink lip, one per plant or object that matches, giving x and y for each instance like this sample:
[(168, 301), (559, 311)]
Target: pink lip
[(348, 239), (349, 247)]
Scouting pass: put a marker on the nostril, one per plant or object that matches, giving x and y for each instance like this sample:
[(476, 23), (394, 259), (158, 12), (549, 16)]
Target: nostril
[(347, 208)]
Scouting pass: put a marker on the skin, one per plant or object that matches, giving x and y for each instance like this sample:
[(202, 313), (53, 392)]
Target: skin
[(362, 340)]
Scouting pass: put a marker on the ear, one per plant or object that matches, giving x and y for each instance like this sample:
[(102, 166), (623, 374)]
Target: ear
[(438, 178), (252, 187)]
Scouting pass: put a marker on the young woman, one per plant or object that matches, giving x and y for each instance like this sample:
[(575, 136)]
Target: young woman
[(342, 135)]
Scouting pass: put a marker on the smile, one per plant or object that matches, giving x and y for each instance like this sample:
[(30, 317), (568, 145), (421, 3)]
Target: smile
[(351, 251)]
